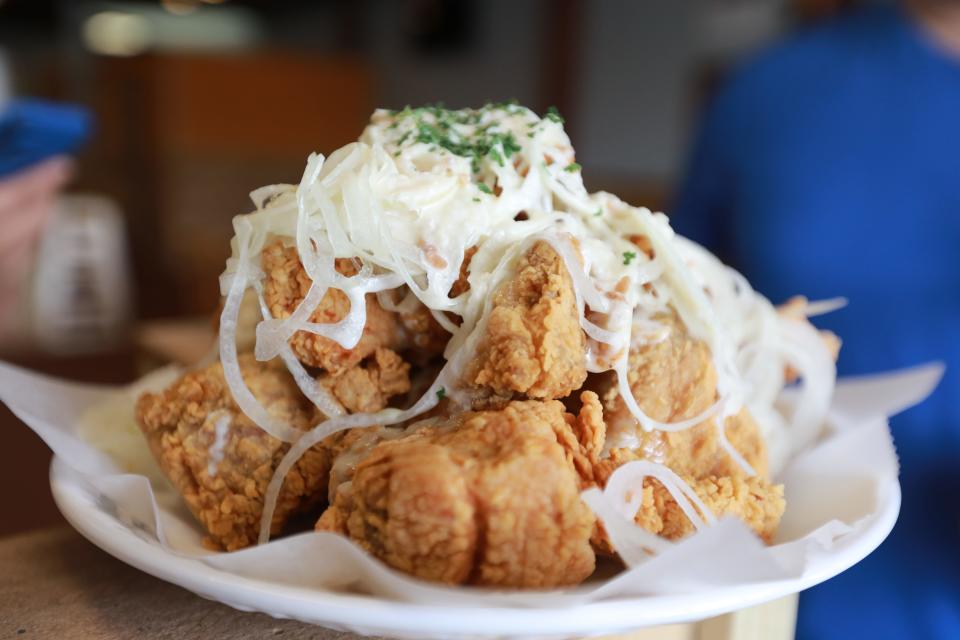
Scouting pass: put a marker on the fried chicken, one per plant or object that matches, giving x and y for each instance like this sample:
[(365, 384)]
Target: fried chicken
[(533, 345), (220, 461), (286, 284), (674, 379), (488, 498), (754, 500), (368, 386)]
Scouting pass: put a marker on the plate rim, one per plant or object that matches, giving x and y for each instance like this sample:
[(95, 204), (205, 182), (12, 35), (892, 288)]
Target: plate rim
[(373, 615)]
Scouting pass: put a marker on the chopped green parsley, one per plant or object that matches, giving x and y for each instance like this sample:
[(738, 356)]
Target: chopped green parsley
[(554, 116), (628, 256), (572, 167), (442, 129)]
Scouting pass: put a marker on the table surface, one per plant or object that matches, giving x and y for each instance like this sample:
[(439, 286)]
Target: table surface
[(57, 585)]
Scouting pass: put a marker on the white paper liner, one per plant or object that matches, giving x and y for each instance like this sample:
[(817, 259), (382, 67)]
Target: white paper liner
[(833, 490)]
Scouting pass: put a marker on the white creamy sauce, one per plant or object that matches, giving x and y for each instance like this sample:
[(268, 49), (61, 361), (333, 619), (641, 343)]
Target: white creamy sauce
[(221, 432)]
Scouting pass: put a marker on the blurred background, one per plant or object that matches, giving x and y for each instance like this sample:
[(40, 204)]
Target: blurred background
[(197, 103)]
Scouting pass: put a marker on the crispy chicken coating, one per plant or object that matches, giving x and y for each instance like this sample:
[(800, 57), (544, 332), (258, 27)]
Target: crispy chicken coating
[(674, 379), (287, 283), (220, 461), (754, 500), (368, 386), (533, 344), (488, 498)]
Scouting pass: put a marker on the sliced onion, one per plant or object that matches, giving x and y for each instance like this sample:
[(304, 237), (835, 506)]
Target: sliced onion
[(731, 450), (648, 423), (321, 397), (261, 197), (407, 305), (633, 543), (822, 307), (616, 506), (274, 333), (231, 365), (806, 352), (443, 320)]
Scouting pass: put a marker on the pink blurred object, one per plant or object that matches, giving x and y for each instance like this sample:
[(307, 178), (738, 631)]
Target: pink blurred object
[(26, 201)]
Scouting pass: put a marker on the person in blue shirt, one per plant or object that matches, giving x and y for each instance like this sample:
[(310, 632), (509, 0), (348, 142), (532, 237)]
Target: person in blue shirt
[(830, 166)]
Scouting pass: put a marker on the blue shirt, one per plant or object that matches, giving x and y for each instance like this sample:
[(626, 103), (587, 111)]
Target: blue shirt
[(830, 166)]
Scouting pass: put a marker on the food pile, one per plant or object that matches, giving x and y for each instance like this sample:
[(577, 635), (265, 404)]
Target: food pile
[(438, 342)]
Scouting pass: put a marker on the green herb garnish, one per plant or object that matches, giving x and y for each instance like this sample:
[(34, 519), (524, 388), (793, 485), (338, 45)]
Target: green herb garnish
[(441, 393), (572, 167), (444, 129), (554, 115), (628, 256), (483, 187), (510, 145)]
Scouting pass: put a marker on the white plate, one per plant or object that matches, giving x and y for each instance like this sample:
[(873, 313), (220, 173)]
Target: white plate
[(379, 616)]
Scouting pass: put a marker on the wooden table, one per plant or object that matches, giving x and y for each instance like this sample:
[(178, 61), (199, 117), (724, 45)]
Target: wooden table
[(57, 585)]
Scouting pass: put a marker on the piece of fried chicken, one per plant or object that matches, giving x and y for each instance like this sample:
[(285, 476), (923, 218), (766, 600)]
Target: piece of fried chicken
[(533, 345), (487, 498), (368, 386), (754, 500), (286, 284), (674, 379), (220, 461)]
